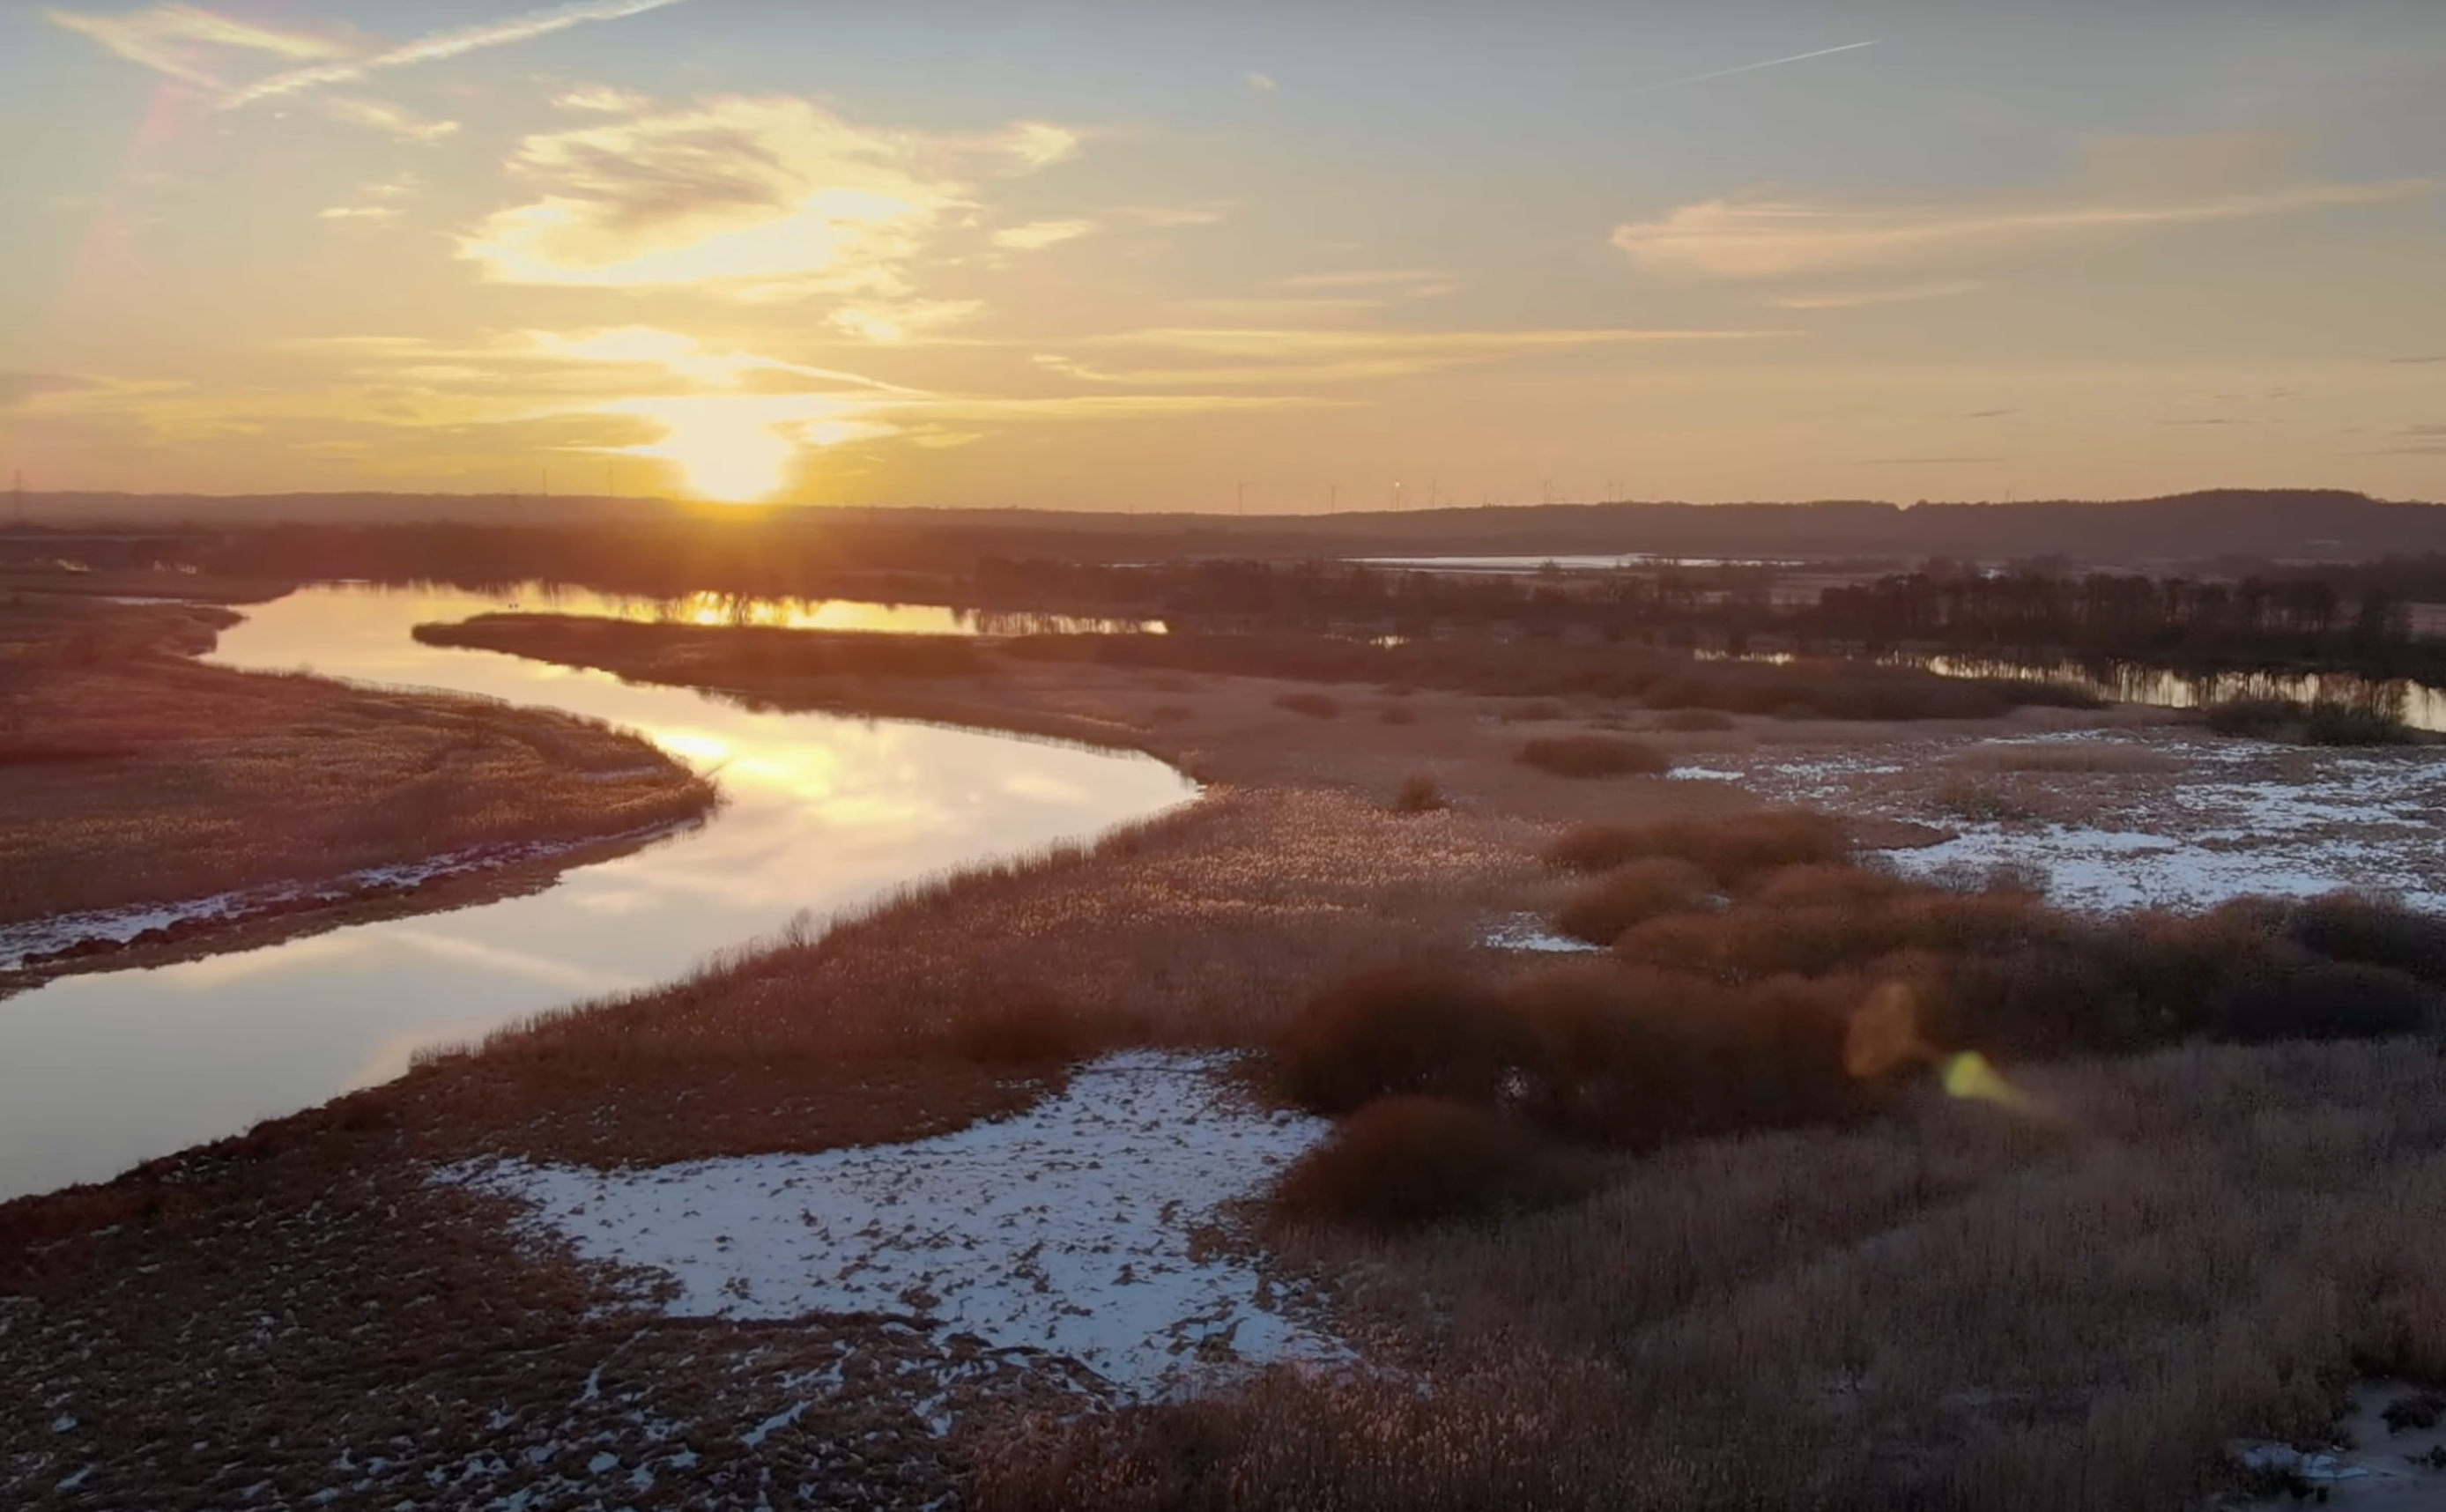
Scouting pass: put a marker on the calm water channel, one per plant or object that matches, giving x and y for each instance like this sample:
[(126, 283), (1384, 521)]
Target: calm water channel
[(100, 1071)]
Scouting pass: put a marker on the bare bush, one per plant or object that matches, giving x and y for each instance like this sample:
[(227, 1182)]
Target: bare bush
[(1595, 756)]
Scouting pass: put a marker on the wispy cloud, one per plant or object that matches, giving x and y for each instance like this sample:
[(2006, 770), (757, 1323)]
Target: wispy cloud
[(1260, 83), (25, 387), (1037, 234), (442, 44), (1776, 239), (1863, 298), (755, 195), (1403, 281), (384, 115), (2415, 361), (603, 99), (1273, 357), (1749, 68), (172, 38), (1924, 462), (1990, 414)]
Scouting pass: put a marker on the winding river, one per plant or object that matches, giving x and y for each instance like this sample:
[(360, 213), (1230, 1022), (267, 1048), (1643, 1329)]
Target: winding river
[(100, 1071)]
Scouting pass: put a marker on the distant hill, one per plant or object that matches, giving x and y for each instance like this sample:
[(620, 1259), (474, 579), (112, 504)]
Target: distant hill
[(2311, 524)]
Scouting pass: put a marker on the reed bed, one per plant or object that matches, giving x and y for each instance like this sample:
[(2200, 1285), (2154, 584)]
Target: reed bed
[(137, 776)]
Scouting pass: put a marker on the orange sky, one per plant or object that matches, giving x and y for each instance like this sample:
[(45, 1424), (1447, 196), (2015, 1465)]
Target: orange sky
[(1106, 255)]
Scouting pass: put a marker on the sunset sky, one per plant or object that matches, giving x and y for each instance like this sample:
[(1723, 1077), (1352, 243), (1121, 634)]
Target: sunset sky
[(1165, 255)]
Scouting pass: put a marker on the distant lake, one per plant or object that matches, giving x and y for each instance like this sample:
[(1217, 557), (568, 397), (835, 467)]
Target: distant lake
[(100, 1071)]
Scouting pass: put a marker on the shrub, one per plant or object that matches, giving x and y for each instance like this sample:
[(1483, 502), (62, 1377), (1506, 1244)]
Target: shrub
[(2334, 723), (1418, 794), (1728, 849), (2324, 722), (2321, 1000), (1023, 1029), (1825, 884), (2345, 927), (1969, 803), (1636, 1058), (1695, 721), (1393, 1033), (1315, 706), (1600, 910), (1595, 756), (1398, 715), (2263, 717), (1404, 1163)]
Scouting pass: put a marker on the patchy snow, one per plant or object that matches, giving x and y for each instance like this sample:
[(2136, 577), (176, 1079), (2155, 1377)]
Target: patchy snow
[(118, 926), (2374, 1466), (1527, 932), (2224, 819), (1091, 1226)]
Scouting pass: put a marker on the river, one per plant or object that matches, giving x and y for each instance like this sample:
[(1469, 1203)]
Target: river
[(102, 1071)]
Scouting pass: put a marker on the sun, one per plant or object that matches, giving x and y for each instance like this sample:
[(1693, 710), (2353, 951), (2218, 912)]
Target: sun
[(731, 450)]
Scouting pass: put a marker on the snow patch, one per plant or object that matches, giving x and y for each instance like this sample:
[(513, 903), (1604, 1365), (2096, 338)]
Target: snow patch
[(1093, 1226), (1527, 932), (118, 926)]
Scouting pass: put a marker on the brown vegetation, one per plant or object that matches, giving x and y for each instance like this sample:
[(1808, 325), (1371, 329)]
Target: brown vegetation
[(1547, 669), (1728, 849), (1315, 706), (1954, 1307), (140, 776), (1595, 756), (1599, 911)]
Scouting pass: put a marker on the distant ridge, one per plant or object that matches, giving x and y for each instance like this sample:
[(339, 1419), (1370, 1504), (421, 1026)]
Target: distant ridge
[(2319, 525)]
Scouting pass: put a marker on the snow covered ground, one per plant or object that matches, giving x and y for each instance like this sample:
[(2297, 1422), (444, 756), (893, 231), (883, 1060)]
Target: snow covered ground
[(1094, 1226), (57, 932), (2223, 818)]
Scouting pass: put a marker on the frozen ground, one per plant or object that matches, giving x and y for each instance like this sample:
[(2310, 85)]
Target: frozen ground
[(2376, 1465), (1095, 1226), (118, 926), (2223, 819)]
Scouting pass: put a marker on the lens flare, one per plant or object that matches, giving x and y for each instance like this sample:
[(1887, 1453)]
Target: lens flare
[(1969, 1076), (1883, 1036)]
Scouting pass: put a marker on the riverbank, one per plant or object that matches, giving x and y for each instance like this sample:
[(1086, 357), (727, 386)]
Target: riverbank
[(160, 810), (1787, 1319)]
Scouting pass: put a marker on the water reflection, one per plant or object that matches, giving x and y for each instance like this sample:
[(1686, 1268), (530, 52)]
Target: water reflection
[(97, 1072), (2416, 703), (711, 609)]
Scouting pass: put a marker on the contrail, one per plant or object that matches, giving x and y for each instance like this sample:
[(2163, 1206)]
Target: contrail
[(445, 45), (1752, 67)]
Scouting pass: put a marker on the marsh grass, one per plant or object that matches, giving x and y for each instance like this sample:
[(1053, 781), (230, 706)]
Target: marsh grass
[(1315, 706), (1952, 1308), (137, 776), (1729, 849), (1595, 756)]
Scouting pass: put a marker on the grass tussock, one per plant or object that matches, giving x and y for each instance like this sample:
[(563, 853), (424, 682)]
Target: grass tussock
[(1419, 794), (1595, 756), (1315, 706), (2314, 723), (2065, 757), (1405, 1162), (1600, 910), (1694, 722), (1727, 849)]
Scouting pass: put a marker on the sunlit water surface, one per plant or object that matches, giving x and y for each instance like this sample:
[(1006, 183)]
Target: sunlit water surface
[(100, 1071)]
